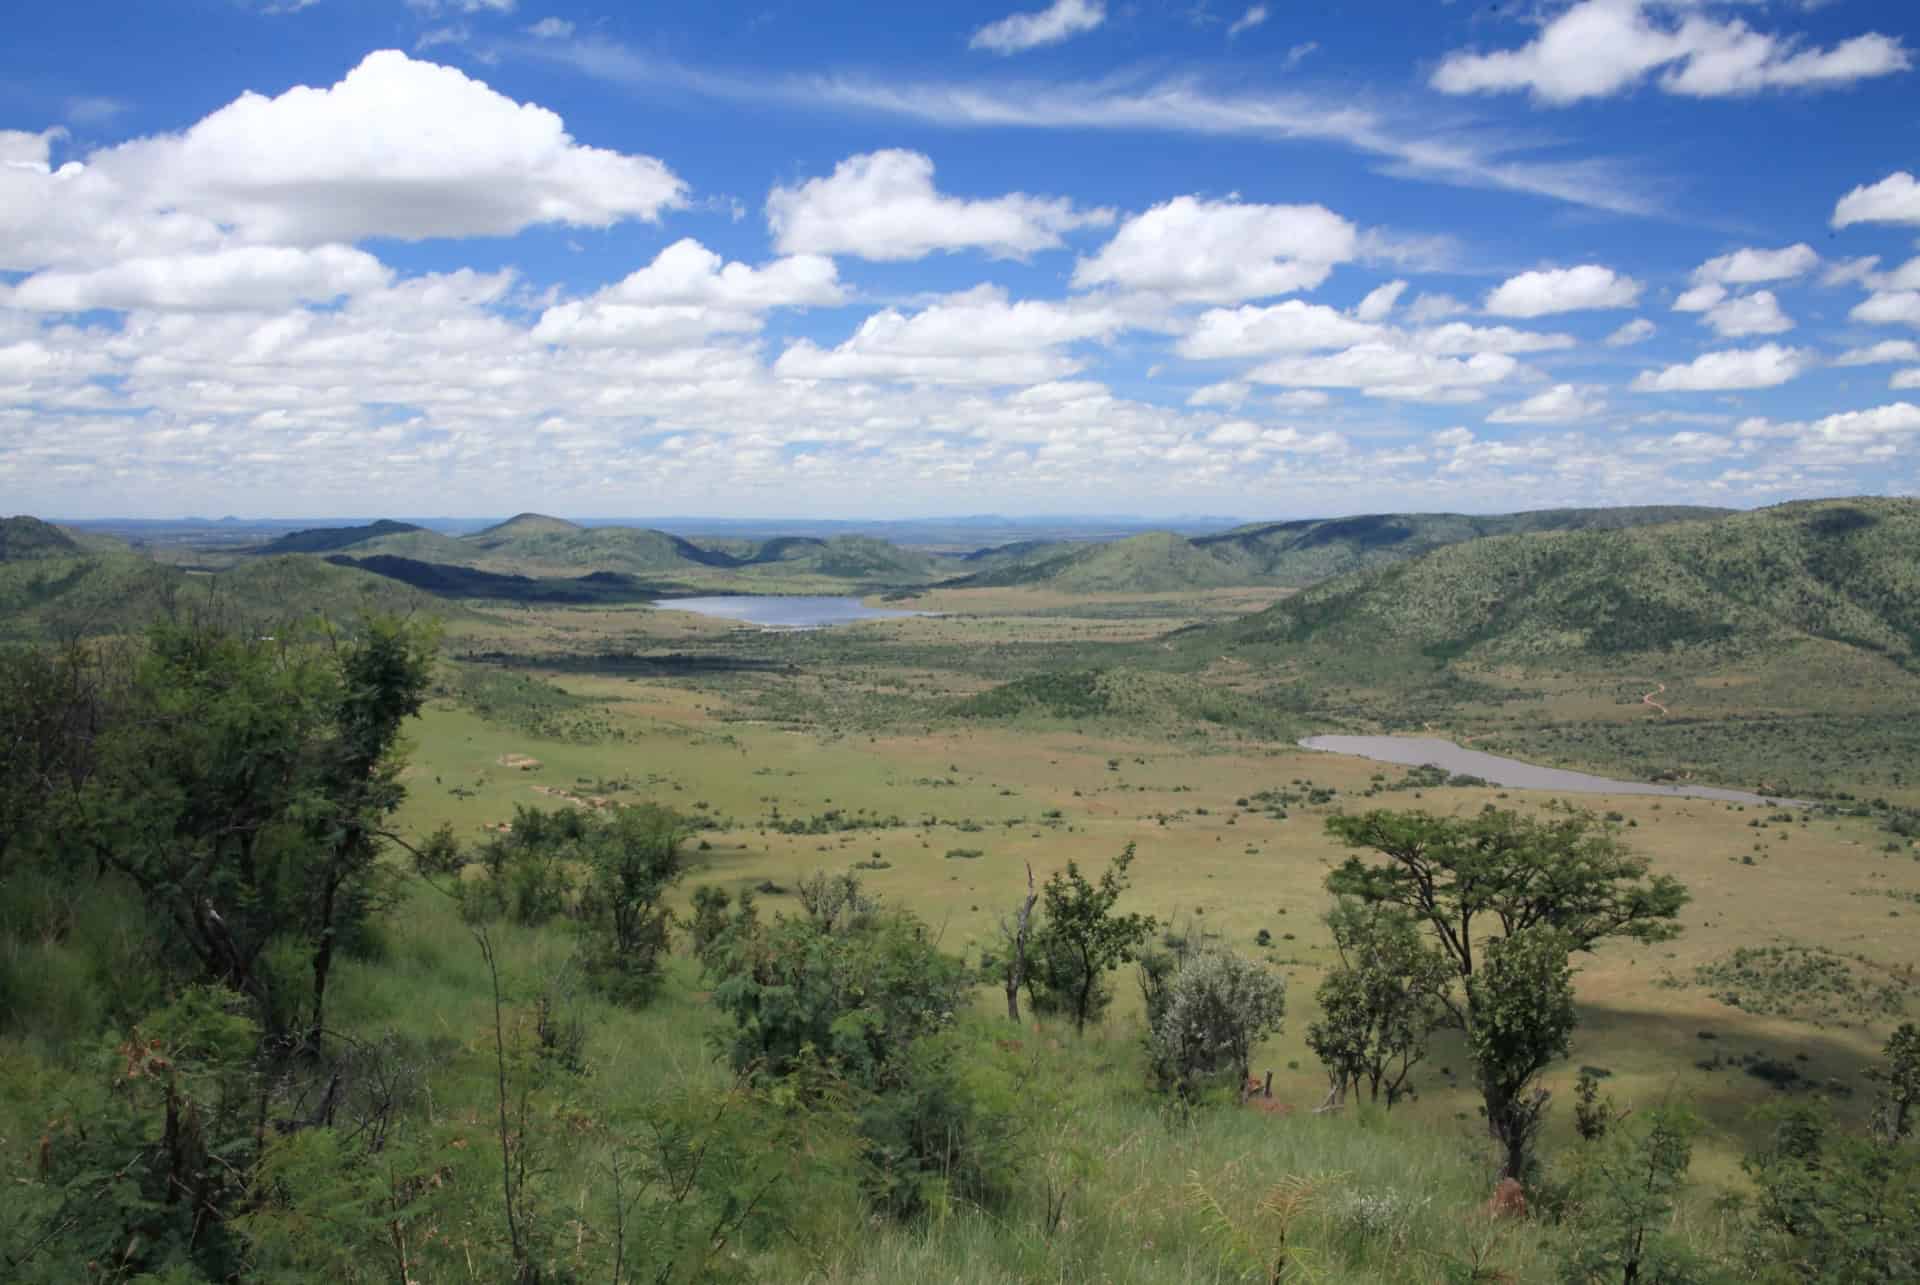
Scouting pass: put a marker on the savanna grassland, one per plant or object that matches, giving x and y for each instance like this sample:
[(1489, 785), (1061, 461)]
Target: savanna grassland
[(538, 1123)]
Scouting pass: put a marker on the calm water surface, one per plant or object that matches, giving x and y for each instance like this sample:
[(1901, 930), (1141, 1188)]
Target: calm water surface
[(1415, 751), (787, 611)]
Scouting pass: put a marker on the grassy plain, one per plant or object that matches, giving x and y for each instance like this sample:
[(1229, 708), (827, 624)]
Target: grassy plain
[(852, 736)]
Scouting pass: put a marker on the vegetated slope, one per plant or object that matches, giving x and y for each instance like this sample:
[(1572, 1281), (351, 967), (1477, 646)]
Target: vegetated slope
[(519, 526), (446, 581), (1296, 554), (1284, 554), (91, 595), (844, 557), (328, 539), (567, 547), (640, 551), (1152, 563), (24, 538), (1847, 571)]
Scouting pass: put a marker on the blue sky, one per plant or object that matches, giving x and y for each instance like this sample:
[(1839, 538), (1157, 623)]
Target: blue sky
[(469, 257)]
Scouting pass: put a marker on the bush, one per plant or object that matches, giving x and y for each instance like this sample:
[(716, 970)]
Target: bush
[(1217, 1006)]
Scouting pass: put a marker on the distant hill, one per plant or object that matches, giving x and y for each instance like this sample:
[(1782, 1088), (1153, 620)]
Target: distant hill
[(535, 548), (92, 595), (26, 538), (1283, 554), (1156, 562), (519, 526), (328, 539), (1845, 571), (446, 581)]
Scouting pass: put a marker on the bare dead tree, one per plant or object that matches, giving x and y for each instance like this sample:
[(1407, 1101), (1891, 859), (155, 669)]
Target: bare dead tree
[(1016, 930)]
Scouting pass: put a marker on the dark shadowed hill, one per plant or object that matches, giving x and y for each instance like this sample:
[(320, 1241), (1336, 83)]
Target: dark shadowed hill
[(1845, 571), (329, 539), (24, 538)]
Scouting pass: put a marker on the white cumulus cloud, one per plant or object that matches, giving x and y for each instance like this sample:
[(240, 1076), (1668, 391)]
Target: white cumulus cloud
[(1894, 199), (1583, 288), (1748, 314), (884, 206), (1889, 307), (1598, 48), (1749, 266), (1886, 352), (1767, 366), (1292, 326), (1561, 404), (976, 337), (1201, 251), (1385, 369), (254, 277), (688, 292)]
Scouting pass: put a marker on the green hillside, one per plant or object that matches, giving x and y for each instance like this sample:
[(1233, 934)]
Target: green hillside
[(1844, 571), (1156, 562), (1297, 554), (23, 538), (1284, 554), (329, 539), (82, 596), (519, 526)]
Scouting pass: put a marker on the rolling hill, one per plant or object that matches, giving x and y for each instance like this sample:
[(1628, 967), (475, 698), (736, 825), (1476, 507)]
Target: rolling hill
[(25, 539), (330, 539), (1282, 554), (85, 595), (1843, 571)]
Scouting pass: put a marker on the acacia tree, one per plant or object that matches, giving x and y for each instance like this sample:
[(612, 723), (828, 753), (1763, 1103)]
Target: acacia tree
[(1380, 1005), (1081, 939), (240, 787), (1517, 895)]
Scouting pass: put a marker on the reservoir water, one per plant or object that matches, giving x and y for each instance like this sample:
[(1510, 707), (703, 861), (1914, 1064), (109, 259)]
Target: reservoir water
[(782, 611), (1416, 751)]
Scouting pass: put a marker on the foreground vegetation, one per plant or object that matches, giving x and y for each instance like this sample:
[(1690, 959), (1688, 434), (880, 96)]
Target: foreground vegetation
[(263, 1018)]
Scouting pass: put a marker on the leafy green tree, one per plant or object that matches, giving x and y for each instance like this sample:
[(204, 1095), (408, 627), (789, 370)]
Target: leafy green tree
[(1218, 1007), (1512, 888), (1830, 1207), (1621, 1235), (1899, 1085), (1081, 939), (381, 677), (1380, 1005), (241, 787), (1522, 1002), (633, 859), (710, 922), (858, 1009)]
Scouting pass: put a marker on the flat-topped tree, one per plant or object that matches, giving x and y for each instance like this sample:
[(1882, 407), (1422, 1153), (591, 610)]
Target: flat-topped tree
[(1513, 889)]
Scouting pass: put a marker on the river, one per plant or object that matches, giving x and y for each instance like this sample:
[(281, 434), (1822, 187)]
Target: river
[(1416, 751)]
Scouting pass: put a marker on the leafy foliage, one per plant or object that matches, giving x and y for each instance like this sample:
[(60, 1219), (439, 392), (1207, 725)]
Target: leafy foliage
[(1217, 1007), (1081, 939), (1380, 1004), (1551, 886)]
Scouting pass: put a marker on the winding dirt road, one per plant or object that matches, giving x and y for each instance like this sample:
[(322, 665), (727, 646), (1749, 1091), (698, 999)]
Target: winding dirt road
[(1648, 699)]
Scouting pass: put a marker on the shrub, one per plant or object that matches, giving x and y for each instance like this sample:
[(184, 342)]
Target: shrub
[(1218, 1006)]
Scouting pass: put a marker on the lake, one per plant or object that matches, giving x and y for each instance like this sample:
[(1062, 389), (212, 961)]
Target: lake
[(1416, 751), (782, 611)]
